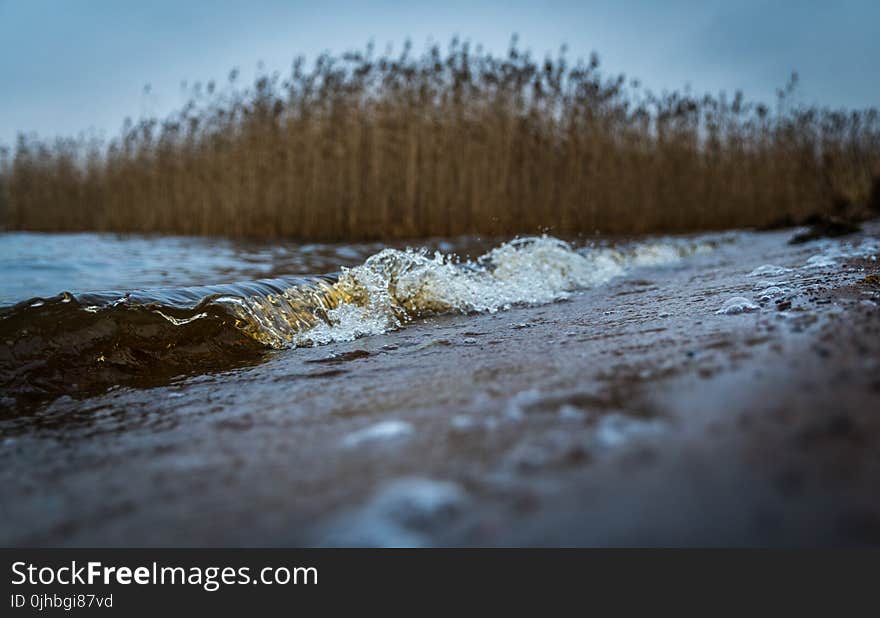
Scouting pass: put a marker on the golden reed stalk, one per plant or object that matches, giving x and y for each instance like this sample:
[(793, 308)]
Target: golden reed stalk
[(447, 143)]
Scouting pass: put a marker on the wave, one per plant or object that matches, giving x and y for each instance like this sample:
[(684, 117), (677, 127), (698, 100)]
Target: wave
[(81, 344)]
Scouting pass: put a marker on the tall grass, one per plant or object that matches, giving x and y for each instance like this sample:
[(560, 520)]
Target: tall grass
[(447, 142)]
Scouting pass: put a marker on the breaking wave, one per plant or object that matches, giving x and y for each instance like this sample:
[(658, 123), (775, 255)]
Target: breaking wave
[(79, 344)]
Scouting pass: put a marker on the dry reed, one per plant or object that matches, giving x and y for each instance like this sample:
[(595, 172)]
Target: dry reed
[(445, 143)]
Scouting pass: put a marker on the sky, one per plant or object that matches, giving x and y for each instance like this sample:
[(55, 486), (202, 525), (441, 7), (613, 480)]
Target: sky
[(80, 66)]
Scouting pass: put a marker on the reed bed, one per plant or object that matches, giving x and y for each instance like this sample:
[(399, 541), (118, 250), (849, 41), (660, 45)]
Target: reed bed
[(446, 142)]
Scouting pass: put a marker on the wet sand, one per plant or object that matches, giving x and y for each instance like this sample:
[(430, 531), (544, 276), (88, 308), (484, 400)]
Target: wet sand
[(631, 414)]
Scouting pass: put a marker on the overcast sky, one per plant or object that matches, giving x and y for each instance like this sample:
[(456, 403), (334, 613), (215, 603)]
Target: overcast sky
[(77, 65)]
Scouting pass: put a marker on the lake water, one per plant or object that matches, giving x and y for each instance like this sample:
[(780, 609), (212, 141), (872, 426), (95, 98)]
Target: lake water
[(177, 391), (37, 264), (88, 312)]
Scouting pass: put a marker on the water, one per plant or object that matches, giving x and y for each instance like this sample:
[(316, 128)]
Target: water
[(81, 342), (37, 264), (501, 392)]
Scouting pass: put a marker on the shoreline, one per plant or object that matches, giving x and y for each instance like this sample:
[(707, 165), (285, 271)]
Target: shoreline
[(632, 414)]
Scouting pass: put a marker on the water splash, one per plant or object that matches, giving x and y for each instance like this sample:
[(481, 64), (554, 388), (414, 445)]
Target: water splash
[(394, 286), (95, 340)]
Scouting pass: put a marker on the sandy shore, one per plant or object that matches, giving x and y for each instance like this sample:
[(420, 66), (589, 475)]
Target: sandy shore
[(632, 414)]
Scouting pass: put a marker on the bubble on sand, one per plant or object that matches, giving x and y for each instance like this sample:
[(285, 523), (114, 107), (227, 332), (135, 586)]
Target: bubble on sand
[(766, 283), (520, 402), (616, 429), (406, 512), (769, 270), (380, 432), (737, 304), (821, 261), (462, 422), (570, 412), (771, 293), (836, 250)]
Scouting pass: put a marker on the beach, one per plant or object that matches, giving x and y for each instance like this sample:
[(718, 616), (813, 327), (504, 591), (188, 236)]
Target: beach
[(728, 397)]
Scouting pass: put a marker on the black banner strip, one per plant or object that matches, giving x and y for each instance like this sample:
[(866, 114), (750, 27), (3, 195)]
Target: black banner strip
[(148, 581)]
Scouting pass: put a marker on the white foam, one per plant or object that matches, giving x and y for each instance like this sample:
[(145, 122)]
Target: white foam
[(821, 261), (737, 304), (764, 284), (769, 270), (772, 293), (395, 286), (833, 251), (380, 432), (615, 429), (406, 512)]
